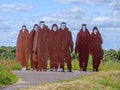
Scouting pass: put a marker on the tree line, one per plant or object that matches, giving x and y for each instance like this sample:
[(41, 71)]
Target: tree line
[(8, 53)]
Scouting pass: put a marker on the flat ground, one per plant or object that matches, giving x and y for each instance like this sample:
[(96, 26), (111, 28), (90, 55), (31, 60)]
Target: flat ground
[(32, 78)]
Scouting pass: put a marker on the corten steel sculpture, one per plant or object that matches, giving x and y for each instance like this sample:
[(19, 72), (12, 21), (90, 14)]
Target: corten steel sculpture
[(41, 46), (66, 47), (22, 47), (82, 47), (96, 48), (54, 47), (34, 63)]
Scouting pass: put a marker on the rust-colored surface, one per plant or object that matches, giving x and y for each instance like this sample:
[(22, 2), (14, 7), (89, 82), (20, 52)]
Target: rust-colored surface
[(82, 47), (22, 47), (54, 47), (34, 62), (96, 48), (40, 47), (57, 45), (66, 46)]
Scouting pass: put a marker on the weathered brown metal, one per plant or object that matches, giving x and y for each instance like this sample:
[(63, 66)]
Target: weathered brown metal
[(82, 47), (96, 48), (22, 47)]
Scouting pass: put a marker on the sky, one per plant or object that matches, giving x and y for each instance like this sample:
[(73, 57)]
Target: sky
[(105, 14)]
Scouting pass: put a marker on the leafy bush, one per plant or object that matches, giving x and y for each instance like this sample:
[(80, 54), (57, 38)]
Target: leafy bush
[(111, 55), (6, 75), (118, 54), (74, 56), (7, 53)]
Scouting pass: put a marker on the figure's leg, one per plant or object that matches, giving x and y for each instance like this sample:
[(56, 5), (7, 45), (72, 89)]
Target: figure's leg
[(93, 63), (81, 61), (62, 57), (45, 62), (32, 62), (51, 62), (39, 62), (55, 62), (68, 62), (86, 56), (98, 64), (36, 65)]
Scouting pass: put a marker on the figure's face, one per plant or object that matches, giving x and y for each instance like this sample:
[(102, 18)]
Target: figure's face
[(54, 28), (36, 28), (63, 26), (84, 28), (95, 31), (23, 28), (42, 25)]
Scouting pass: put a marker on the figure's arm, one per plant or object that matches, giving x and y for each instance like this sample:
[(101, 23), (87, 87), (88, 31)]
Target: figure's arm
[(71, 41), (18, 45), (77, 43), (35, 42)]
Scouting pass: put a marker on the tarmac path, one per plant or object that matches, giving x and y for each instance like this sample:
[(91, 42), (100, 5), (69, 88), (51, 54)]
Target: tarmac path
[(32, 78)]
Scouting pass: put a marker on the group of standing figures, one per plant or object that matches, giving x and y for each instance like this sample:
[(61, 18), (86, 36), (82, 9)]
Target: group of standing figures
[(56, 45), (86, 44)]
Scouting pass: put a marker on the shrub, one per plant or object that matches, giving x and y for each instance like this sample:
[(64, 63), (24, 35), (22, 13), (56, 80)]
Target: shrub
[(6, 75), (118, 54)]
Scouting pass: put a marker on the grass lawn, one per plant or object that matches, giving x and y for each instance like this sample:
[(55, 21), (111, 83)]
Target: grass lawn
[(103, 80), (108, 78)]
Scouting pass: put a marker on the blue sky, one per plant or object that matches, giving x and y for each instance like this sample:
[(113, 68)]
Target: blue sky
[(105, 14)]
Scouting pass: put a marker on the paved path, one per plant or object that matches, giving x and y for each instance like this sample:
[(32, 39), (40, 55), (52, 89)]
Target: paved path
[(31, 78)]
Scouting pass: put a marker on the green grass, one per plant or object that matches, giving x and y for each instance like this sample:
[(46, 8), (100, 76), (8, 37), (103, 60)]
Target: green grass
[(6, 75), (102, 80), (12, 64), (75, 65), (110, 65), (108, 78)]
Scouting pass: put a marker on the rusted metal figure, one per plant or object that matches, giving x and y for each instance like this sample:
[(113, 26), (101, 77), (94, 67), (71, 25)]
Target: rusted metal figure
[(22, 47), (96, 48), (34, 63), (41, 46), (82, 47), (54, 47), (66, 47)]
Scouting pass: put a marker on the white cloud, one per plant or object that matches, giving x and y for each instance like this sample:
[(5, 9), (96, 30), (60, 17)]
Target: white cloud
[(100, 21), (50, 19), (66, 15), (107, 24), (111, 38), (16, 7), (115, 5), (8, 38), (4, 24), (76, 10), (114, 9), (93, 2)]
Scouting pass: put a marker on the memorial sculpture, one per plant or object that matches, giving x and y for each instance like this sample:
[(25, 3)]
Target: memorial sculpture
[(34, 64), (57, 45), (66, 47), (54, 48), (82, 47), (22, 47), (96, 48)]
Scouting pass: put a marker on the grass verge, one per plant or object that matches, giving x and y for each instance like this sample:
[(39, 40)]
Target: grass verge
[(103, 80), (108, 78), (6, 75)]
